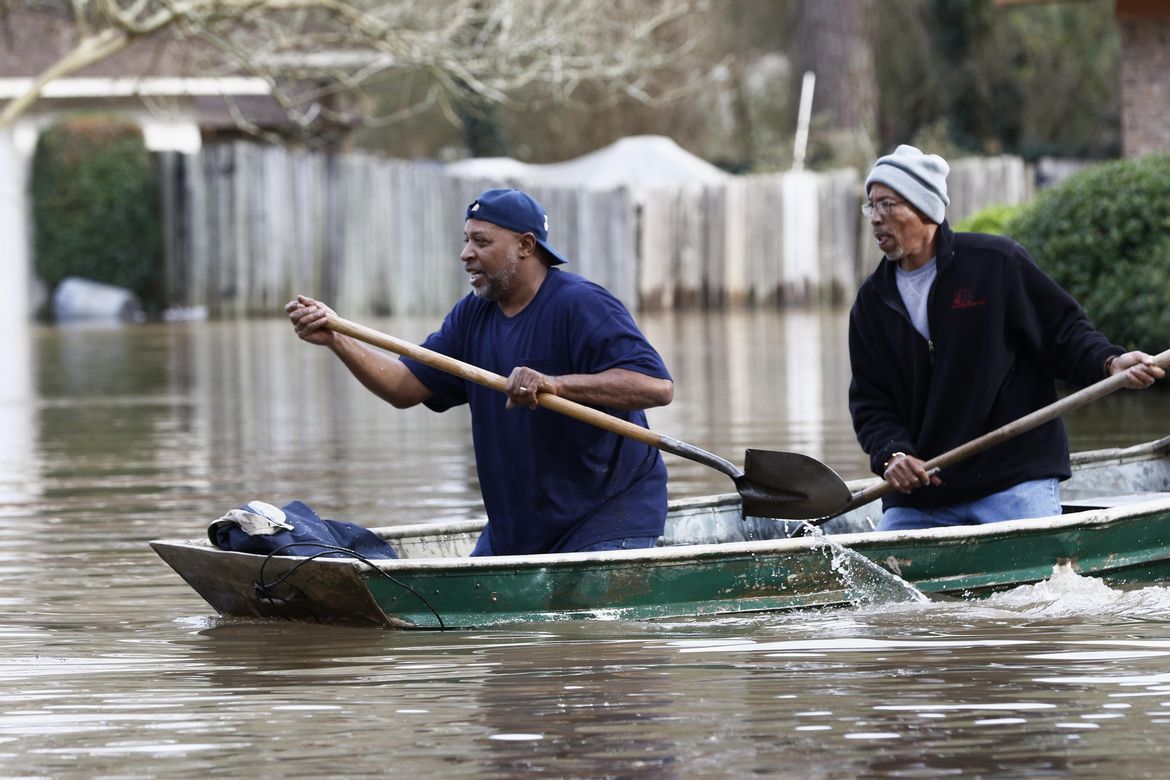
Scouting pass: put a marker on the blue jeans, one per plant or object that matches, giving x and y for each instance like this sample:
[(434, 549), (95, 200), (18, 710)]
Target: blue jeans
[(1035, 498), (484, 545), (628, 543)]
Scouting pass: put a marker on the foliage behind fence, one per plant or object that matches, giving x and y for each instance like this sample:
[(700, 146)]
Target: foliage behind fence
[(94, 198), (248, 226)]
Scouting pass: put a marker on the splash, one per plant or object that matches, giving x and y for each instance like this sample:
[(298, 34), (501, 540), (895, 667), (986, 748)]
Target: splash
[(1069, 594), (871, 583)]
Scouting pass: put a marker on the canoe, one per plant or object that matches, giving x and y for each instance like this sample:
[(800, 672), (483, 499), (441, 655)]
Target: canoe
[(1115, 525)]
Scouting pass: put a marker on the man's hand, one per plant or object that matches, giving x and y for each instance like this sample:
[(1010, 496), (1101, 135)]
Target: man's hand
[(1140, 369), (308, 318), (524, 384), (907, 473)]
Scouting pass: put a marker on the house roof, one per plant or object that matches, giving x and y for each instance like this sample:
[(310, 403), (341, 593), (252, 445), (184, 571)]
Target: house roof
[(156, 68), (31, 40)]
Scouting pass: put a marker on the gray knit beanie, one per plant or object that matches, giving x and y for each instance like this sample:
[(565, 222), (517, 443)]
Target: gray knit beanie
[(919, 178)]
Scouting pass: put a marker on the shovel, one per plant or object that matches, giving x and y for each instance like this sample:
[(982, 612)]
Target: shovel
[(784, 485), (1003, 433)]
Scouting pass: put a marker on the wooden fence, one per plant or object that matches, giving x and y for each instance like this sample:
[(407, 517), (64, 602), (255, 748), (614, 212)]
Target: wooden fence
[(248, 226)]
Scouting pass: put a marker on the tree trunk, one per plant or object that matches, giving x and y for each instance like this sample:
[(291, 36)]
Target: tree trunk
[(836, 40)]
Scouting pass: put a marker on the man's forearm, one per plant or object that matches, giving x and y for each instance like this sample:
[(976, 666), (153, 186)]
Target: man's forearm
[(617, 388), (381, 373)]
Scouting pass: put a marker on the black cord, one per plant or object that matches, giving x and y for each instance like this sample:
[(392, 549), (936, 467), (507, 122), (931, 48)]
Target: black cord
[(264, 588), (262, 592)]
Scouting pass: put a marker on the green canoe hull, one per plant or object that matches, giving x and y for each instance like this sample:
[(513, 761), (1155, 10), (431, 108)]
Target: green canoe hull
[(1134, 548), (711, 561)]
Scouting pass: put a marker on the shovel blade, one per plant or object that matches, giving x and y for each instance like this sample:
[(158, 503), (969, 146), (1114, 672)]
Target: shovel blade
[(790, 486)]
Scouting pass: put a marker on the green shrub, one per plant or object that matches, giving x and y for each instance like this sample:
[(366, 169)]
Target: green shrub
[(95, 205), (1104, 235), (990, 219)]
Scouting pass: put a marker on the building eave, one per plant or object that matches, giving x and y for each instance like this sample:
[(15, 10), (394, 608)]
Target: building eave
[(155, 87)]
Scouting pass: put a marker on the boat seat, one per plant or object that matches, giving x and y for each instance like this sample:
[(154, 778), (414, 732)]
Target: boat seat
[(1104, 502)]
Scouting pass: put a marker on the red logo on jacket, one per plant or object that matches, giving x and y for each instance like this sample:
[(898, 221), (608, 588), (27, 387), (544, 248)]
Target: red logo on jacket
[(964, 298)]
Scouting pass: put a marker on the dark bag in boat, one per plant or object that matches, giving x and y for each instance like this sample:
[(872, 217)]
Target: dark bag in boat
[(294, 529)]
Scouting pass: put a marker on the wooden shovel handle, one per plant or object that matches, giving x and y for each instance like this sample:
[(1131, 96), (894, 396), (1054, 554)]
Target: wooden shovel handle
[(1012, 429), (450, 365)]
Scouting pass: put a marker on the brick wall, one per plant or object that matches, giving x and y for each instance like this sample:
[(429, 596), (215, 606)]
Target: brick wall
[(1145, 86)]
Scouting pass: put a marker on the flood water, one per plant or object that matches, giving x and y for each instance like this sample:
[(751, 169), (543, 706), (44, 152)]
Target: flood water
[(110, 666)]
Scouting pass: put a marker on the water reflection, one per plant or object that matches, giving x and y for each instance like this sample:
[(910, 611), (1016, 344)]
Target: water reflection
[(588, 708), (884, 691), (944, 694), (236, 411), (754, 379), (110, 665), (18, 463)]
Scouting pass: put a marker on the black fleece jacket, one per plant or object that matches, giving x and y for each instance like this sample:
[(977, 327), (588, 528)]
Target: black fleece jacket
[(1001, 333)]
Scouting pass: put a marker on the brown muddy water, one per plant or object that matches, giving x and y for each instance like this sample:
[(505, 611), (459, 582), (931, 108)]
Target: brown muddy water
[(110, 666)]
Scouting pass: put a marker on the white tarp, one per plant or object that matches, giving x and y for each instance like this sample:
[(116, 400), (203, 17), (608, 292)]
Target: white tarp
[(637, 162)]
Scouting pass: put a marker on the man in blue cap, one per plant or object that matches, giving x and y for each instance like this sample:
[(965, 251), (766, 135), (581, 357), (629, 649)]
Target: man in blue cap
[(550, 483), (955, 335)]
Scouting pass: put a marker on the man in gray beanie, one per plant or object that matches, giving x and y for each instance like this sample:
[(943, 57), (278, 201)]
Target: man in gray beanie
[(955, 335)]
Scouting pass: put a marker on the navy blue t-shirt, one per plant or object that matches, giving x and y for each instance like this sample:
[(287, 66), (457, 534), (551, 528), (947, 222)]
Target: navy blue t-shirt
[(551, 483)]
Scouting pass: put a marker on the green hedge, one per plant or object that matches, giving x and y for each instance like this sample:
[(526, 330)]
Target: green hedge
[(991, 219), (1104, 235), (95, 205)]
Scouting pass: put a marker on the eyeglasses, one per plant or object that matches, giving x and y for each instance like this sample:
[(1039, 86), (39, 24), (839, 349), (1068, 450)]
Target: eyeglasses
[(883, 207)]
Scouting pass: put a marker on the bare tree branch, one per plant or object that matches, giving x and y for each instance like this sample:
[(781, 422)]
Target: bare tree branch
[(319, 55), (90, 50)]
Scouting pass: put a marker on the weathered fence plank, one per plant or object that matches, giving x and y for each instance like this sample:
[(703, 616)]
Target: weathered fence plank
[(248, 226)]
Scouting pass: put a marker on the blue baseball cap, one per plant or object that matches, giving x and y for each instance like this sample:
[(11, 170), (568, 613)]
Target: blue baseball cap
[(515, 210)]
